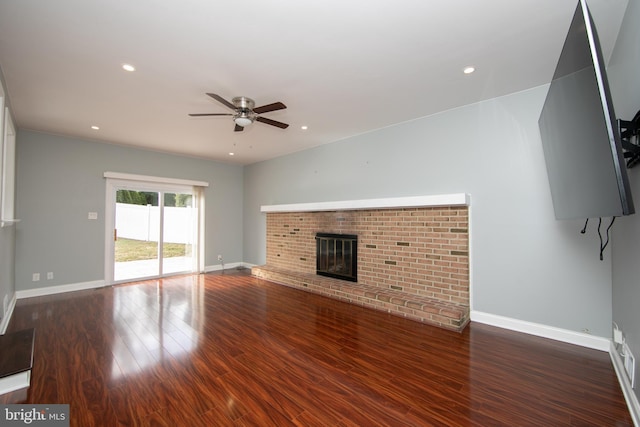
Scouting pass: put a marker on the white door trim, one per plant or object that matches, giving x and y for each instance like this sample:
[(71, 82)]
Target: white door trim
[(155, 179)]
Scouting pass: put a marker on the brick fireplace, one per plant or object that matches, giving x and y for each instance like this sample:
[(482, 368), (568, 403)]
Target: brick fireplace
[(412, 261)]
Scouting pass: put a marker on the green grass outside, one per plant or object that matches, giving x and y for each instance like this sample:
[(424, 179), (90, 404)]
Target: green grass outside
[(134, 250)]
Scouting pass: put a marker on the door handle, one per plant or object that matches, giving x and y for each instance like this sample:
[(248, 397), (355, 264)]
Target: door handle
[(115, 234)]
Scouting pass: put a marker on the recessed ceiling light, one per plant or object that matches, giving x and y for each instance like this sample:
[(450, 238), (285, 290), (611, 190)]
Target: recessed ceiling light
[(468, 70), (95, 127), (304, 127), (128, 67), (232, 154)]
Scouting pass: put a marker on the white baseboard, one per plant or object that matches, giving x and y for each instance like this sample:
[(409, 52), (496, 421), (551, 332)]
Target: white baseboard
[(625, 384), (7, 316), (38, 292), (15, 382), (218, 267), (558, 334), (51, 290)]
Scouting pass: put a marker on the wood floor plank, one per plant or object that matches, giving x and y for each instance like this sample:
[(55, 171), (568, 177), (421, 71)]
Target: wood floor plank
[(228, 349)]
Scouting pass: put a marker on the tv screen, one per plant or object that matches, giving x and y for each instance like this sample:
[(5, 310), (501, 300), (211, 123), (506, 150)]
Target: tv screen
[(580, 136)]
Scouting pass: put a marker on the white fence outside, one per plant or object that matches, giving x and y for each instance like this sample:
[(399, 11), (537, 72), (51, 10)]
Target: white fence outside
[(143, 223)]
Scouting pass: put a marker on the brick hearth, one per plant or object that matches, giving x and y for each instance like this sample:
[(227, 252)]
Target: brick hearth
[(412, 262)]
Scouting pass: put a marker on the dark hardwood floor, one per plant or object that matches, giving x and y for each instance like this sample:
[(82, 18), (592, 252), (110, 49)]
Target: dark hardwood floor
[(232, 350)]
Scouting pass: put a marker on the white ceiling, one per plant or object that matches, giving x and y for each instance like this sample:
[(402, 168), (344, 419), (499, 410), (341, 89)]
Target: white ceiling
[(342, 67)]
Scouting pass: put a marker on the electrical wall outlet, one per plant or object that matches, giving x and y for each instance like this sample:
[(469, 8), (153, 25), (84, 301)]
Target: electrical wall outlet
[(35, 277), (50, 275), (629, 364), (219, 257), (617, 336)]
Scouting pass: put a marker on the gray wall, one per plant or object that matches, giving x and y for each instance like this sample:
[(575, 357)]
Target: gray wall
[(60, 180), (525, 264), (625, 89)]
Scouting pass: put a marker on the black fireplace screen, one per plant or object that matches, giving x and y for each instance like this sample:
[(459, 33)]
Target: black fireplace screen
[(337, 255)]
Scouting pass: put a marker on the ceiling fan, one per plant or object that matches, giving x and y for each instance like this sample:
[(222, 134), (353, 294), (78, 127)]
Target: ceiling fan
[(244, 112)]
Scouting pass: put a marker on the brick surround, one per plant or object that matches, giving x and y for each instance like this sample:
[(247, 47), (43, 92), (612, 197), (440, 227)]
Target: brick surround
[(412, 262)]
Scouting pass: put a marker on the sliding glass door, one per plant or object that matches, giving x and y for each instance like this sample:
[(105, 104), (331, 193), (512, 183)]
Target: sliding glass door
[(180, 225), (155, 230), (136, 235)]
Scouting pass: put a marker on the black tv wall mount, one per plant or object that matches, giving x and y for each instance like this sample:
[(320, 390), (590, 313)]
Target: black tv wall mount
[(630, 137)]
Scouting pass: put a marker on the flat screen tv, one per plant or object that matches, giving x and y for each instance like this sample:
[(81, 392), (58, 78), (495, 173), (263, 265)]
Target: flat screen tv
[(580, 135)]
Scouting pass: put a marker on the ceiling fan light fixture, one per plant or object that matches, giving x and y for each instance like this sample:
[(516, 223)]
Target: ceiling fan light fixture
[(244, 117), (243, 120)]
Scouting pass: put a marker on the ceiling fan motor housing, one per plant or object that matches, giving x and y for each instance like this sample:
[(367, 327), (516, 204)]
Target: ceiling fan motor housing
[(243, 103), (244, 110)]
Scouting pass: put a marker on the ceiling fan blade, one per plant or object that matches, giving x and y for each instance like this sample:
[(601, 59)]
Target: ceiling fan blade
[(270, 107), (272, 122), (238, 128), (210, 114), (222, 100)]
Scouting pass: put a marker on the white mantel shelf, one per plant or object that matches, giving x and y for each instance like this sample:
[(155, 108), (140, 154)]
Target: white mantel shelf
[(458, 199)]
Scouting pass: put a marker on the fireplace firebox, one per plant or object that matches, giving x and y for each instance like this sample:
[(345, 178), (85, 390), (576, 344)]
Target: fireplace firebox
[(337, 256)]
